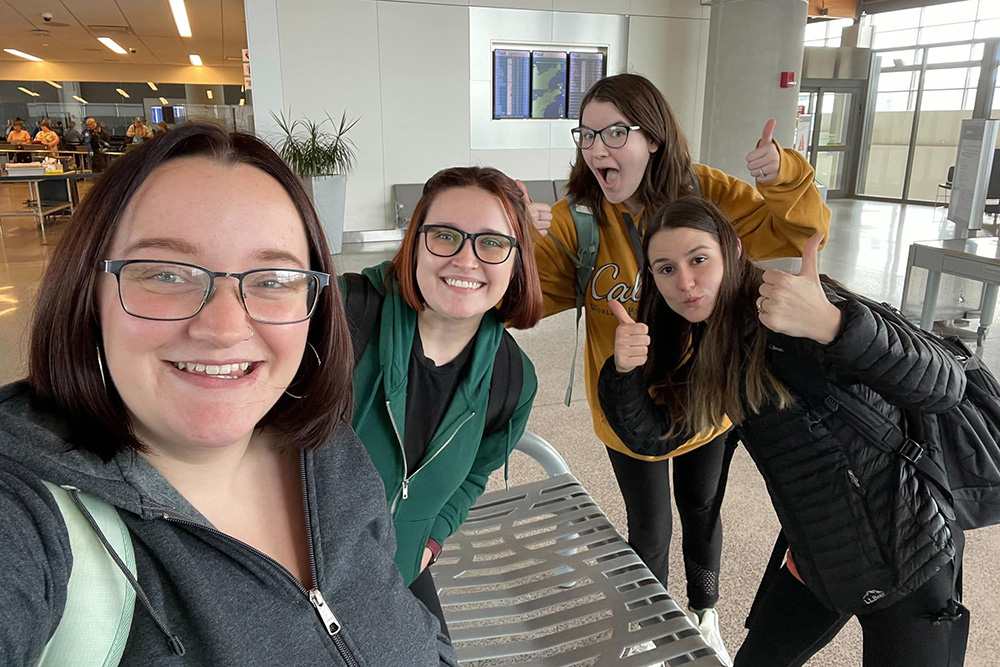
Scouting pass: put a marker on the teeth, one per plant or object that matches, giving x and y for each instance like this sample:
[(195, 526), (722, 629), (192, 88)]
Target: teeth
[(464, 284), (223, 370)]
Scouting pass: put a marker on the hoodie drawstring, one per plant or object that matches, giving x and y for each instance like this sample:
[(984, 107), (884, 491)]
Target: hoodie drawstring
[(173, 640)]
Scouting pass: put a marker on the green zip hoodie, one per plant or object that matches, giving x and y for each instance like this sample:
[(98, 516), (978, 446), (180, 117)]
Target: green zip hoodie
[(434, 501)]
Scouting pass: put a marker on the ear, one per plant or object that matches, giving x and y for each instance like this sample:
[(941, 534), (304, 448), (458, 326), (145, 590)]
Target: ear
[(653, 146), (739, 247)]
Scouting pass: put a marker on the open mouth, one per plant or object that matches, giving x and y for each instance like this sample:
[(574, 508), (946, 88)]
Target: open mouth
[(463, 284), (609, 176), (231, 371)]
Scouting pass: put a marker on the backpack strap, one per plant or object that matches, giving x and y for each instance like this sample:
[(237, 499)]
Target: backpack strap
[(505, 385), (99, 600), (362, 304), (588, 239)]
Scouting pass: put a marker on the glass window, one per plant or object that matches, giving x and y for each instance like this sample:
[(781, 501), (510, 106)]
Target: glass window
[(894, 38), (977, 51), (900, 58), (988, 29), (949, 54), (829, 170), (815, 31), (952, 12), (942, 100), (890, 81), (890, 143), (989, 9), (955, 32), (952, 77), (906, 18), (894, 102)]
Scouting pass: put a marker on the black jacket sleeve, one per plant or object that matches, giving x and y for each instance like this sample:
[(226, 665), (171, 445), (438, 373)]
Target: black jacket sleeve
[(902, 365), (633, 414)]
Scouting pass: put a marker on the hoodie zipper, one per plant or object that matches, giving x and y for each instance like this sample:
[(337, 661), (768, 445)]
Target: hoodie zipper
[(404, 488), (315, 597)]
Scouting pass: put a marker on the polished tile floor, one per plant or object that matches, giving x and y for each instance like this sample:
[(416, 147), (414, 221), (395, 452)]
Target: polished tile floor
[(867, 250)]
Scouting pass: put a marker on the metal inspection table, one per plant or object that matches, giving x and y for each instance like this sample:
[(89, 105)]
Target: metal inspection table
[(41, 209), (975, 259)]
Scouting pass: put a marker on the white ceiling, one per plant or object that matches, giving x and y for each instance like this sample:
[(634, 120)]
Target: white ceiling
[(218, 27)]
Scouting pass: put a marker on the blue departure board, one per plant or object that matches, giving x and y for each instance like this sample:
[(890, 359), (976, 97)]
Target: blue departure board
[(585, 69), (511, 83), (548, 84)]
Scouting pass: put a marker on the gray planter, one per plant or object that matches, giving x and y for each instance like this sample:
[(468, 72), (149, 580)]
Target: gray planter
[(329, 196)]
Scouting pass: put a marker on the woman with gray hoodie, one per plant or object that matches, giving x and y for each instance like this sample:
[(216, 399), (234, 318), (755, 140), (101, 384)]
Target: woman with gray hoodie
[(207, 410)]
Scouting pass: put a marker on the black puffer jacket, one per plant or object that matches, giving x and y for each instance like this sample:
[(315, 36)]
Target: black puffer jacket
[(864, 528)]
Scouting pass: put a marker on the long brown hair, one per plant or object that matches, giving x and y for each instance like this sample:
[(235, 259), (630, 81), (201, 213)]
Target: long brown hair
[(669, 173), (521, 307), (705, 370), (64, 363)]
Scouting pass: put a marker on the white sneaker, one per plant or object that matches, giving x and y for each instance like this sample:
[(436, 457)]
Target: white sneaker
[(642, 648), (707, 621)]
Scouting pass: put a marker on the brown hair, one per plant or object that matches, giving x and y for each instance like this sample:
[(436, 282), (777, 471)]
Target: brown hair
[(669, 173), (46, 123), (64, 363), (690, 369), (521, 307)]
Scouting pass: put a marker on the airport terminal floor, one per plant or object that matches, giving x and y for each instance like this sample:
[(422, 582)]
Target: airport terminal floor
[(867, 250)]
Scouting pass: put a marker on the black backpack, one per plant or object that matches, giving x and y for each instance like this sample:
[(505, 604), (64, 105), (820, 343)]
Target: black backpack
[(363, 304), (957, 450)]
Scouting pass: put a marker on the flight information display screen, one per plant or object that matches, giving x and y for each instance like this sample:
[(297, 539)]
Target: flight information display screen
[(511, 84), (548, 84), (585, 69)]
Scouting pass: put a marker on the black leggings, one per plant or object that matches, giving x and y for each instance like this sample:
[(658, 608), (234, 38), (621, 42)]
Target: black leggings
[(423, 589), (790, 625), (699, 486)]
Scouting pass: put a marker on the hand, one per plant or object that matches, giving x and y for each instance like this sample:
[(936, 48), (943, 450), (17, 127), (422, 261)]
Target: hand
[(631, 339), (540, 213), (764, 161), (795, 304), (426, 559)]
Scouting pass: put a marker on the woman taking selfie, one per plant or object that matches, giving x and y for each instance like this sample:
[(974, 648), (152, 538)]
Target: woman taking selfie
[(190, 377), (867, 538)]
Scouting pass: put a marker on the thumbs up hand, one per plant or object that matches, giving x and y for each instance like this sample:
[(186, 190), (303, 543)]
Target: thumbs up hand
[(795, 304), (764, 161), (540, 212), (631, 339)]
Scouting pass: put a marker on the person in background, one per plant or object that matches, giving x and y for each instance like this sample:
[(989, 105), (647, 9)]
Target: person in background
[(138, 131), (161, 127), (210, 408), (96, 140), (631, 158), (72, 137), (47, 137), (18, 136), (867, 534)]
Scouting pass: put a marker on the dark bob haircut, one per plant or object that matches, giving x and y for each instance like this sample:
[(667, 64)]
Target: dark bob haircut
[(66, 345), (521, 307)]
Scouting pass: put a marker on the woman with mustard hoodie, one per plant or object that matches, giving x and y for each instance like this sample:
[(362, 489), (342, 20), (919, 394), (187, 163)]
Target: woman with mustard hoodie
[(631, 159), (423, 382)]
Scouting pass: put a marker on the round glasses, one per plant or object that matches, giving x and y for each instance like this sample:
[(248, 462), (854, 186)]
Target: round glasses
[(170, 291), (447, 241), (613, 136)]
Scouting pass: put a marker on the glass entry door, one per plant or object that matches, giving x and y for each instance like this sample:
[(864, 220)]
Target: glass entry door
[(836, 115)]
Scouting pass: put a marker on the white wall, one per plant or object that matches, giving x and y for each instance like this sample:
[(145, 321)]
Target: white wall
[(403, 68)]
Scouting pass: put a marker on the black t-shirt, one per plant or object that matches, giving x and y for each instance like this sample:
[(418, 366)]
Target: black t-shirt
[(429, 392)]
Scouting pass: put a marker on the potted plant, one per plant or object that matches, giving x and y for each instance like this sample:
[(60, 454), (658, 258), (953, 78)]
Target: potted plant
[(322, 158)]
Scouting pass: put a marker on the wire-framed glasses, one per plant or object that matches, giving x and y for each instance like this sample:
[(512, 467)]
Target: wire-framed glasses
[(170, 291), (613, 136), (447, 241)]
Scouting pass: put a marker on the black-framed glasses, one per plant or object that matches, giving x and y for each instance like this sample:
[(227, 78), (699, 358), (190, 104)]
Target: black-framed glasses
[(447, 241), (613, 136), (170, 291)]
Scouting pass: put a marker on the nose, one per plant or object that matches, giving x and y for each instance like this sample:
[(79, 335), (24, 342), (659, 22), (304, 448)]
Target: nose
[(685, 280), (465, 257), (223, 320), (599, 149)]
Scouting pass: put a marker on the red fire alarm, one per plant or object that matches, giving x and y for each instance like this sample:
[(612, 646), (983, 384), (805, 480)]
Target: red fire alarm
[(788, 79)]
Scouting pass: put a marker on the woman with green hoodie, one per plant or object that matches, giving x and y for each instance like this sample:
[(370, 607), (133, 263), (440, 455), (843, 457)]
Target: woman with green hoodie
[(423, 381)]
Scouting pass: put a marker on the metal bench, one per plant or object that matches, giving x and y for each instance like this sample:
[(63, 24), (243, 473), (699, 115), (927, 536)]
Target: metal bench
[(538, 575)]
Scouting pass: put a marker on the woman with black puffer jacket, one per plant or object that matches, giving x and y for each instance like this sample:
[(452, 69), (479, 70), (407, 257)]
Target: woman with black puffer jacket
[(866, 534)]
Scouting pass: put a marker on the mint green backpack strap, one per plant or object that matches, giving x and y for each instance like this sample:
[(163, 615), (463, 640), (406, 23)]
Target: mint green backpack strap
[(99, 600), (588, 241)]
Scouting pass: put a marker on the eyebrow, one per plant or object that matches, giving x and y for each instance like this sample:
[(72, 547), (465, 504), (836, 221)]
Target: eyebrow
[(184, 247), (688, 254), (454, 225)]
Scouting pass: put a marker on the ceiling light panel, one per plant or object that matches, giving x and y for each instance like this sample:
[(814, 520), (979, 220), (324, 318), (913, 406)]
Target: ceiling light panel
[(180, 18), (152, 86), (195, 60), (112, 44), (22, 54)]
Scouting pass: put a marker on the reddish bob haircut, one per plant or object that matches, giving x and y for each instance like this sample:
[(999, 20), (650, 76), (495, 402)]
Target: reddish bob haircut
[(521, 307), (64, 367)]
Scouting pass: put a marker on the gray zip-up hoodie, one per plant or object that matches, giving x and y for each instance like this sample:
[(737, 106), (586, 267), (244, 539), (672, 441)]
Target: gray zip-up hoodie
[(223, 601)]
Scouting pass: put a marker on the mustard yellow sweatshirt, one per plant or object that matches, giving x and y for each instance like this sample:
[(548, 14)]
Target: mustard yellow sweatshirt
[(773, 221)]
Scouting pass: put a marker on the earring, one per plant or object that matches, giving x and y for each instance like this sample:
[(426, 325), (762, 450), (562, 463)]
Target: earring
[(319, 363), (100, 366)]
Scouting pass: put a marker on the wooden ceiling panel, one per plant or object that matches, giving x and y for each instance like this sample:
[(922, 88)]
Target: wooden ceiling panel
[(834, 9)]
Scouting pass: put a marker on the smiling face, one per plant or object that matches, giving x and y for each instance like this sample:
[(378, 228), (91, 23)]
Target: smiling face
[(687, 267), (619, 171), (231, 218), (462, 286)]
